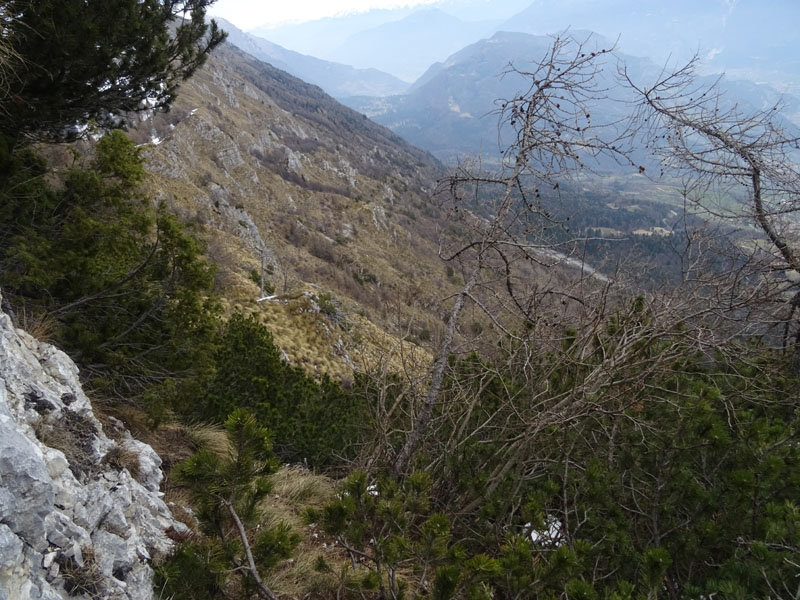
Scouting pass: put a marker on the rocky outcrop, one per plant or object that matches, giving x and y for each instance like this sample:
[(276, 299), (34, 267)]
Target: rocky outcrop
[(80, 514)]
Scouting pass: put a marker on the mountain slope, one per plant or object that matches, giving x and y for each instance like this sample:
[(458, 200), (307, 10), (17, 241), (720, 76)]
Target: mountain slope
[(336, 79), (263, 163)]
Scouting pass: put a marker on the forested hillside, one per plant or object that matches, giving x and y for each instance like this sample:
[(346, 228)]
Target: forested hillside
[(439, 394)]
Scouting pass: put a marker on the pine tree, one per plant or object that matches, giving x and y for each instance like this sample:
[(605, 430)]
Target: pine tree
[(317, 423), (228, 492), (123, 284), (80, 61)]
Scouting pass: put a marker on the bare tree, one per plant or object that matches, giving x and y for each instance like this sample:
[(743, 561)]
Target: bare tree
[(737, 165), (584, 366), (531, 290), (554, 135)]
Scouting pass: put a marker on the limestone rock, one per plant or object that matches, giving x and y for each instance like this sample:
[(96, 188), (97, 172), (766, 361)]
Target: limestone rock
[(66, 513)]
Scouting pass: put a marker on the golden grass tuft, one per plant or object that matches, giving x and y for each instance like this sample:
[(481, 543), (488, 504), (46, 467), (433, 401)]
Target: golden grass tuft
[(208, 436), (119, 458), (179, 501), (38, 325), (84, 580), (298, 485), (301, 577), (294, 489)]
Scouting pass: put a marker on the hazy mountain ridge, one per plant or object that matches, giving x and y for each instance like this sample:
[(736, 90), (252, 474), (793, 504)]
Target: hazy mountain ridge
[(450, 109), (716, 30), (336, 79), (747, 38), (405, 47), (321, 36)]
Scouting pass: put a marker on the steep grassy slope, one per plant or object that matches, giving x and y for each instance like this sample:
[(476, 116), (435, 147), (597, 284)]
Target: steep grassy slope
[(341, 209)]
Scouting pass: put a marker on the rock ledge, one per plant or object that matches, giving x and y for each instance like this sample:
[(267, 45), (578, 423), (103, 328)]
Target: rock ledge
[(80, 514)]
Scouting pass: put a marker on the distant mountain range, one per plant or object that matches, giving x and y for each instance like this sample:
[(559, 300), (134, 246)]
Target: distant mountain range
[(451, 109), (336, 79), (749, 39), (405, 47), (324, 36)]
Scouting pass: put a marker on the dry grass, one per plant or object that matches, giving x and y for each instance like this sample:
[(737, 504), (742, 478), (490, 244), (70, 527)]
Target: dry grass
[(179, 502), (84, 580), (119, 458), (208, 436), (295, 489), (302, 577), (74, 435), (311, 341), (135, 419), (382, 351), (38, 325), (298, 485), (171, 443)]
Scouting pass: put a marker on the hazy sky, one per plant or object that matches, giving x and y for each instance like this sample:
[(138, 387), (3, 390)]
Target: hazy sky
[(247, 14)]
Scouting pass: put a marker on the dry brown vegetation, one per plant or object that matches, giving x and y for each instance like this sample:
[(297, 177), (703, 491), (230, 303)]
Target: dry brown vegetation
[(317, 564), (253, 170)]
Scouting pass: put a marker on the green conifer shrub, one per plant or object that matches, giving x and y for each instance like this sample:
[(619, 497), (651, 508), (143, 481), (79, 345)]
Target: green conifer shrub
[(80, 61), (388, 528), (314, 422), (125, 283), (679, 484), (228, 492)]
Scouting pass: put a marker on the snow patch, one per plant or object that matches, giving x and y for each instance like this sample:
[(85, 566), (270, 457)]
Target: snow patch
[(551, 535)]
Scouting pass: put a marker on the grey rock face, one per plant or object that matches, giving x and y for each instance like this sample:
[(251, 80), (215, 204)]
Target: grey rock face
[(26, 491), (66, 514)]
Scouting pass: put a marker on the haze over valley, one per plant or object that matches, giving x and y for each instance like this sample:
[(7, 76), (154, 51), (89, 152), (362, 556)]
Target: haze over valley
[(471, 58)]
